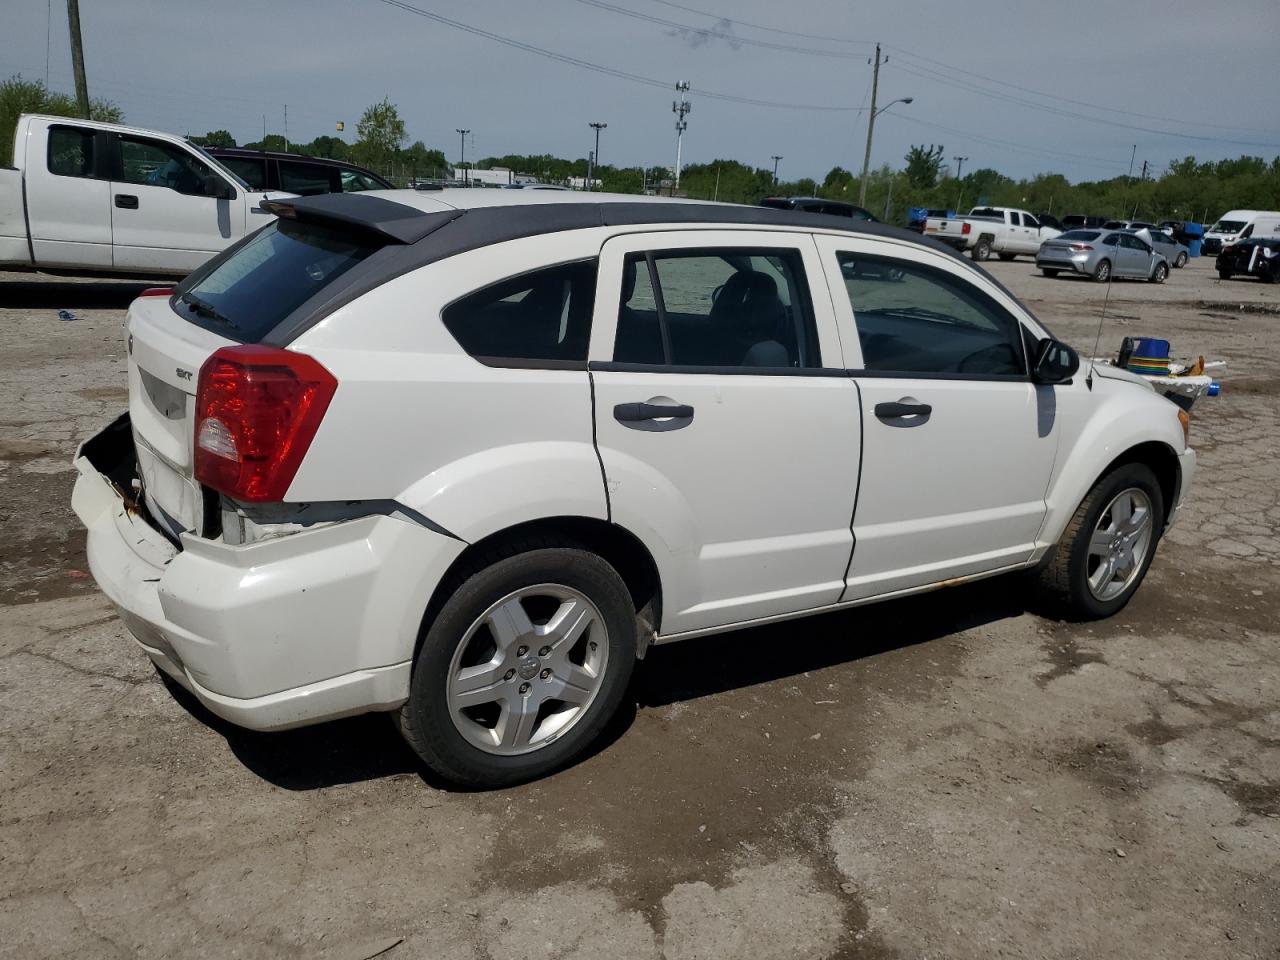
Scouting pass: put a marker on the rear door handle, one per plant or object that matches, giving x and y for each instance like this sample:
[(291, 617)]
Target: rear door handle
[(126, 201), (906, 407), (634, 412)]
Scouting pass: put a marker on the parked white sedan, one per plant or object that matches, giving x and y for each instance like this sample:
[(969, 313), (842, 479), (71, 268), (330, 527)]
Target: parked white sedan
[(464, 456)]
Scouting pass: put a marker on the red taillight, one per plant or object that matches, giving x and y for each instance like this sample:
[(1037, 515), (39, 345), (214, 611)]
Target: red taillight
[(157, 292), (1081, 246), (257, 411), (964, 229)]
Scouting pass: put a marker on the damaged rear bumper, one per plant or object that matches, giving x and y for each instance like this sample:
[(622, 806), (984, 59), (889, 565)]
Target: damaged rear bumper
[(285, 632)]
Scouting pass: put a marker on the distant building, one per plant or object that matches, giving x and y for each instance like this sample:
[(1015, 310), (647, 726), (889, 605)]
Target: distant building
[(496, 177), (580, 183)]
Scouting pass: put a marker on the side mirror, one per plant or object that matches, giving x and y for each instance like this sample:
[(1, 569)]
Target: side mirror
[(1055, 362), (219, 189)]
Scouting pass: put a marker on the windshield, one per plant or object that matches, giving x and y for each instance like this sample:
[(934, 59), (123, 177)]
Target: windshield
[(1085, 235), (280, 268), (239, 181), (1227, 226)]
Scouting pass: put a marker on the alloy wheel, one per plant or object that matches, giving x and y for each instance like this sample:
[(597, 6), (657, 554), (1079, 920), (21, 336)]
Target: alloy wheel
[(528, 669), (1119, 545)]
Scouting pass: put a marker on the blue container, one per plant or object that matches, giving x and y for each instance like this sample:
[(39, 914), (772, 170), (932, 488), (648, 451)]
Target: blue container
[(1193, 247), (1193, 229)]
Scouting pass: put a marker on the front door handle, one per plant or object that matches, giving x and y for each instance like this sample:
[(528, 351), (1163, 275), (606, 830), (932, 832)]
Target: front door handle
[(126, 201), (906, 407), (634, 412)]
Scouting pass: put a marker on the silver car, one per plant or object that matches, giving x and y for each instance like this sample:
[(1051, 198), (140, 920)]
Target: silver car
[(1169, 248), (1102, 255)]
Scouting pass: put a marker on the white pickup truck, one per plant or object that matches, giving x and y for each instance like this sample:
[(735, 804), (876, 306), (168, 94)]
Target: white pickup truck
[(99, 198), (987, 230)]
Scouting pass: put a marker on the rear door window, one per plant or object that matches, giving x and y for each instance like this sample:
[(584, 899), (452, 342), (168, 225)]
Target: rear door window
[(727, 307), (252, 171), (543, 316), (913, 319), (306, 179), (247, 295), (71, 152)]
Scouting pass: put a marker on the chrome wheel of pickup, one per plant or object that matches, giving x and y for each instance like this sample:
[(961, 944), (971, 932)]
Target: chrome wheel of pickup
[(527, 669)]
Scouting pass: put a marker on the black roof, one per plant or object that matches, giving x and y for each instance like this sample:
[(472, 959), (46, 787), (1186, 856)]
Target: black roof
[(411, 237), (251, 154)]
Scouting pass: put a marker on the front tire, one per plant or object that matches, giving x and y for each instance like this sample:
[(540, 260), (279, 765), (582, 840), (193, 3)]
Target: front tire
[(982, 250), (1049, 273), (522, 668), (1107, 548), (1224, 274), (1181, 261), (1160, 274), (1006, 257)]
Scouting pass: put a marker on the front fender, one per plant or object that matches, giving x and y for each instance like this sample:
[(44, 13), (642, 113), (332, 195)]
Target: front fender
[(1116, 417)]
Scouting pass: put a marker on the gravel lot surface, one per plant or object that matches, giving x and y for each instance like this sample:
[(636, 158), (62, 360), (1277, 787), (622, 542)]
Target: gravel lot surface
[(949, 776)]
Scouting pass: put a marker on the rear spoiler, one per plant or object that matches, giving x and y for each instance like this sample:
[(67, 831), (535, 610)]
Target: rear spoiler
[(390, 221)]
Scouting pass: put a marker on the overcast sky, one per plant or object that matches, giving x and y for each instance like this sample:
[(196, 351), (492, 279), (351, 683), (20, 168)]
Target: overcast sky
[(1176, 77)]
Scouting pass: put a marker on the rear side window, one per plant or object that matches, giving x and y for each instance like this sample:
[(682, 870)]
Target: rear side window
[(305, 179), (1082, 235), (252, 172), (913, 319), (541, 316), (247, 295), (729, 307), (70, 152)]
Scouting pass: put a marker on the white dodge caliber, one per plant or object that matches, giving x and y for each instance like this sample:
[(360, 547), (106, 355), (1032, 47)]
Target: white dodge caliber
[(463, 456)]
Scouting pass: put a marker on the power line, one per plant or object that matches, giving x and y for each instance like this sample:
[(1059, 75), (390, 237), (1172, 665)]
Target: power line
[(760, 26), (1011, 144), (711, 34), (598, 68)]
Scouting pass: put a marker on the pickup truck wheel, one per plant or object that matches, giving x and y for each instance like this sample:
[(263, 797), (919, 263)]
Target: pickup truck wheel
[(1224, 274), (1049, 272), (1102, 272), (981, 250), (1007, 256), (522, 668), (1107, 547), (1160, 274)]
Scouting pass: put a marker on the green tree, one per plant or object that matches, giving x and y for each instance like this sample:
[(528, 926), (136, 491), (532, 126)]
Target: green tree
[(381, 133), (18, 96), (923, 164), (422, 161), (215, 138), (333, 148), (272, 141)]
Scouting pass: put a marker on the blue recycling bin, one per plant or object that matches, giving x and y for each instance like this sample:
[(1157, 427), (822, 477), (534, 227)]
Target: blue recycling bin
[(1193, 246)]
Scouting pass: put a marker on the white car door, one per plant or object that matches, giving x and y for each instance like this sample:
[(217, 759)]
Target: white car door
[(958, 443), (1030, 234), (68, 209), (162, 218), (727, 427)]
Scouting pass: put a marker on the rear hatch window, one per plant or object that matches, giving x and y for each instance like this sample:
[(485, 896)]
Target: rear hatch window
[(247, 295)]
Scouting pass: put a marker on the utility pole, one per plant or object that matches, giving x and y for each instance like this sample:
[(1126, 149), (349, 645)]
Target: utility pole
[(1144, 169), (775, 158), (77, 57), (680, 108), (286, 128), (871, 129), (959, 165), (1133, 156), (462, 154), (591, 162), (597, 127)]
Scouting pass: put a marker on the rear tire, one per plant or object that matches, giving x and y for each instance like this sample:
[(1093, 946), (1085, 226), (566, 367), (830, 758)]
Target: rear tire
[(1160, 274), (1224, 274), (1049, 273), (981, 250), (1181, 261), (481, 731), (1072, 582), (1102, 272)]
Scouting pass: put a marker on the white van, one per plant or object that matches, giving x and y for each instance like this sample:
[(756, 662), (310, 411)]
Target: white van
[(1239, 225)]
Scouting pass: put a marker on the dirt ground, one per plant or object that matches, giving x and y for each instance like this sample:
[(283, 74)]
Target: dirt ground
[(948, 776)]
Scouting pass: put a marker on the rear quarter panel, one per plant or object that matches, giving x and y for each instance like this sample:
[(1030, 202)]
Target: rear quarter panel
[(14, 249)]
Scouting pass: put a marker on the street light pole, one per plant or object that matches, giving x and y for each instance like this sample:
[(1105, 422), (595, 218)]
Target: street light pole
[(597, 127), (871, 124), (462, 155), (775, 158)]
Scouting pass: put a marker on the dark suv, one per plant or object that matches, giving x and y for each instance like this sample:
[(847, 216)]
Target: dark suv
[(294, 173)]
